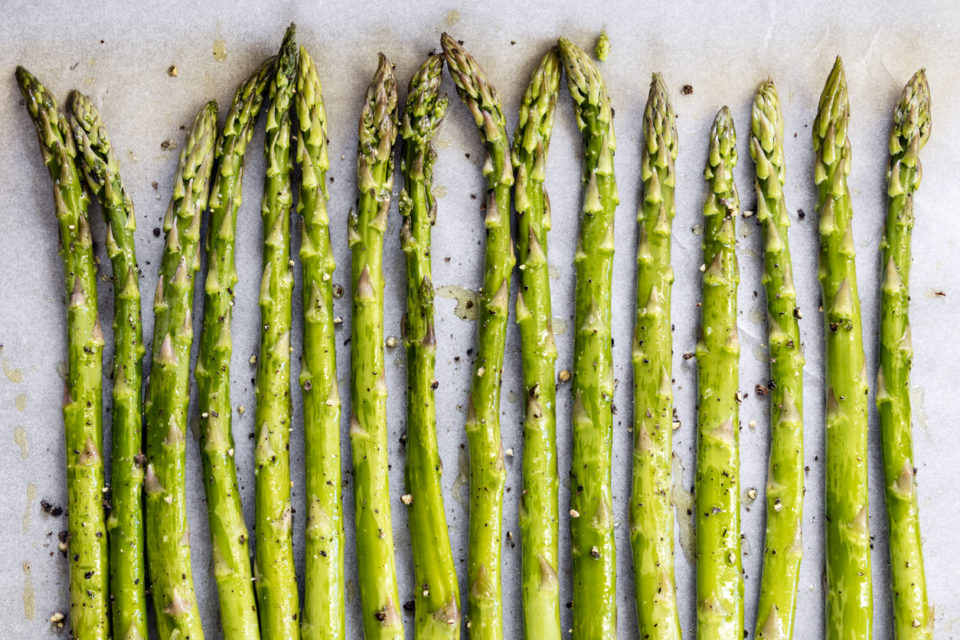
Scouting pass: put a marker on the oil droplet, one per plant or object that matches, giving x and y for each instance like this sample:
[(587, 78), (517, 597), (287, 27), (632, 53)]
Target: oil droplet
[(21, 401), (29, 597), (756, 316), (467, 300), (559, 326), (760, 354), (512, 396), (462, 481), (62, 369), (352, 591), (14, 374), (684, 504), (20, 437), (916, 401), (219, 49), (554, 272), (31, 496), (440, 192), (453, 17)]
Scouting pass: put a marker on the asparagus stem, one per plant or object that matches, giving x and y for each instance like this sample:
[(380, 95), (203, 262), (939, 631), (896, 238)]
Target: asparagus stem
[(99, 165), (849, 598), (719, 579), (911, 129), (276, 581), (651, 511), (593, 548), (82, 402), (323, 605), (539, 508), (168, 391), (437, 593), (228, 530), (380, 601), (487, 473), (783, 546)]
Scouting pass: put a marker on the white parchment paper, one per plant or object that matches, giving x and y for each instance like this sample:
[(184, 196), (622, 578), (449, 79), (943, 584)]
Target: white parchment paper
[(120, 55)]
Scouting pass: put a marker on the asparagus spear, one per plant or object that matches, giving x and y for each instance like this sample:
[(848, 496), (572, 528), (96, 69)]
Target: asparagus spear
[(228, 530), (323, 607), (849, 591), (437, 593), (168, 391), (380, 601), (82, 417), (651, 512), (783, 548), (487, 473), (539, 508), (125, 523), (911, 128), (277, 597), (719, 580), (594, 552)]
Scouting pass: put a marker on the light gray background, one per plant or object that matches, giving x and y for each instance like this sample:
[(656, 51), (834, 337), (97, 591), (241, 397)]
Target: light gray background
[(723, 49)]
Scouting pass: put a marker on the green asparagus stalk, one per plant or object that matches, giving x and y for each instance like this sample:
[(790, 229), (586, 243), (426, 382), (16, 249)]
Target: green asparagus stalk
[(228, 530), (323, 606), (168, 391), (594, 552), (539, 508), (125, 523), (849, 601), (651, 511), (380, 600), (487, 473), (719, 580), (276, 581), (82, 408), (437, 593), (783, 548), (911, 128)]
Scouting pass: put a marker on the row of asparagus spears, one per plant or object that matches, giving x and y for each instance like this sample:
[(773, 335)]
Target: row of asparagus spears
[(145, 531)]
